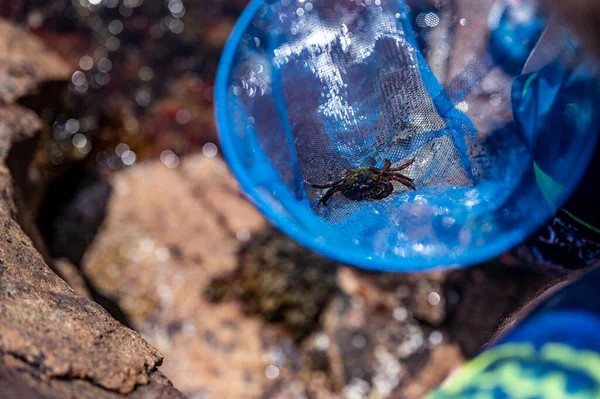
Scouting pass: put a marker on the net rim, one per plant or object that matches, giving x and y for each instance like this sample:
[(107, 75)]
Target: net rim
[(358, 258)]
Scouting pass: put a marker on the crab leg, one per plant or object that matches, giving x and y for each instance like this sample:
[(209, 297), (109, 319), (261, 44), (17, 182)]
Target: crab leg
[(329, 194), (387, 164), (400, 168), (400, 175), (404, 180), (326, 185)]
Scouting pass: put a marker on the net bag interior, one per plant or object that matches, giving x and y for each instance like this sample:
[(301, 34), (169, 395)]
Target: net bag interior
[(491, 103)]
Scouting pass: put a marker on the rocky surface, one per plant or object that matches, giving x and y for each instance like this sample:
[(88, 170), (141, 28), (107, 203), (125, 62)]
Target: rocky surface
[(72, 275), (162, 243), (280, 281), (21, 380), (53, 343), (16, 124), (201, 275), (45, 324)]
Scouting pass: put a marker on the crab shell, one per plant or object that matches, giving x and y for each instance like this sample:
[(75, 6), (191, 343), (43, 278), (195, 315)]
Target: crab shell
[(364, 184)]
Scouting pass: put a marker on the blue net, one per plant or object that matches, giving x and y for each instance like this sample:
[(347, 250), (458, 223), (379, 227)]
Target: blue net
[(404, 135)]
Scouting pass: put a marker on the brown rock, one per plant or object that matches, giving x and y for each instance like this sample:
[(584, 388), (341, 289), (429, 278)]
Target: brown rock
[(373, 344), (19, 128), (21, 380), (46, 324), (71, 274), (420, 292), (168, 233), (53, 344), (25, 65), (43, 323), (400, 335), (444, 359), (182, 122), (25, 62), (281, 281), (16, 124)]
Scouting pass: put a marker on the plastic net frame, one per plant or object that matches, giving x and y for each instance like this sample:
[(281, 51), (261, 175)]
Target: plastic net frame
[(303, 96)]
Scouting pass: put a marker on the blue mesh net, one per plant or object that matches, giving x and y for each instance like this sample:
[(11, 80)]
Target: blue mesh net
[(490, 106)]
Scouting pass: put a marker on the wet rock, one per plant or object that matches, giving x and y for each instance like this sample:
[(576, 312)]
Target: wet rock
[(43, 322), (419, 292), (16, 125), (374, 343), (167, 235), (65, 336), (397, 335), (182, 122), (21, 380), (280, 281), (443, 360), (153, 54), (72, 275), (26, 65)]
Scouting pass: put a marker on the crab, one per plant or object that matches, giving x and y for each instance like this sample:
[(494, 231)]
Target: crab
[(368, 183)]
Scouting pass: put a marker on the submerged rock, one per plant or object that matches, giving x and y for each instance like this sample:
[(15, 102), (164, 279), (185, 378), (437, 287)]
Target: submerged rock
[(280, 281)]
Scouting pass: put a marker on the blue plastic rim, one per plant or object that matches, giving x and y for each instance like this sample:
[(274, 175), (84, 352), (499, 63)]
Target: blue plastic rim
[(518, 200)]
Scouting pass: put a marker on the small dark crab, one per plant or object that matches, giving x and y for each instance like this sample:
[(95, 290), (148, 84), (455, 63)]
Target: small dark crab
[(368, 183)]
